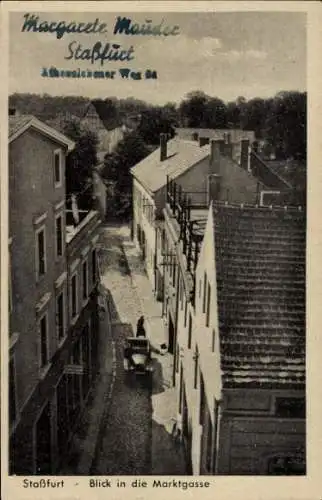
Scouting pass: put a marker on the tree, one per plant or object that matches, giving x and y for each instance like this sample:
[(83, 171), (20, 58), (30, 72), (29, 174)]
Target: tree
[(286, 125), (215, 113), (130, 151), (155, 121), (193, 109), (80, 163), (253, 116)]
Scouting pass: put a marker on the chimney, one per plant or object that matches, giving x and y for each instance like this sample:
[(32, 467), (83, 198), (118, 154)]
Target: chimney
[(244, 154), (163, 147), (203, 141), (214, 185), (217, 150)]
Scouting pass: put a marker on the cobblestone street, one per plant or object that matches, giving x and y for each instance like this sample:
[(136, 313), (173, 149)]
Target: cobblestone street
[(128, 424)]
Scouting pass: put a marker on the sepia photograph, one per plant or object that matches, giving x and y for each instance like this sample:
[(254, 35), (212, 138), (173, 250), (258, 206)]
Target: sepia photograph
[(157, 244)]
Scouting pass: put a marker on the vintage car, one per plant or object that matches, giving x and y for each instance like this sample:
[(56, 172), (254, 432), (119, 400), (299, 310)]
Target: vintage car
[(137, 356)]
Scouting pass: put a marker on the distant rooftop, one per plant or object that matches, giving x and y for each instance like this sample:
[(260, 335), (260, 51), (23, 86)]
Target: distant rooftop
[(181, 155)]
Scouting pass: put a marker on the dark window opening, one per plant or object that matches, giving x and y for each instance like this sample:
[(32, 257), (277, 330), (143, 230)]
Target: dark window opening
[(59, 236), (41, 252), (189, 331), (60, 315), (43, 342), (290, 407), (57, 168), (208, 305), (204, 293)]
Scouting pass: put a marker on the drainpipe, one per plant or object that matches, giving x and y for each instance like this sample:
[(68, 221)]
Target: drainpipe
[(217, 422)]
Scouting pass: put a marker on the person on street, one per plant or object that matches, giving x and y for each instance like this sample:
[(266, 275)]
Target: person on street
[(140, 330)]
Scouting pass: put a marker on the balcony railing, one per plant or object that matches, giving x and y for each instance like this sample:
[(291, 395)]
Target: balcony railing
[(181, 206)]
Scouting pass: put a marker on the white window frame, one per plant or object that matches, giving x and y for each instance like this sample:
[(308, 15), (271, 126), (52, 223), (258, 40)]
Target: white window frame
[(58, 152), (37, 231), (43, 368), (73, 319), (60, 291), (85, 299), (61, 215)]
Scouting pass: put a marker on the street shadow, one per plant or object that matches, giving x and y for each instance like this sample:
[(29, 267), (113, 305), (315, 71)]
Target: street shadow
[(109, 304), (158, 382), (170, 456)]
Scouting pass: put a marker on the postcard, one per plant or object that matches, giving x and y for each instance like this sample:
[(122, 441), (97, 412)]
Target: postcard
[(160, 187)]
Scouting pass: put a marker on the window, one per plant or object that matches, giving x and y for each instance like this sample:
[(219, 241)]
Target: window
[(44, 358), (208, 305), (85, 281), (213, 340), (196, 356), (204, 292), (40, 252), (94, 266), (59, 236), (74, 295), (12, 391), (290, 407), (57, 168), (60, 316), (189, 331)]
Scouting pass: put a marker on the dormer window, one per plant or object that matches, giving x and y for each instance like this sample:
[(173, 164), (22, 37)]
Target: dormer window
[(58, 168)]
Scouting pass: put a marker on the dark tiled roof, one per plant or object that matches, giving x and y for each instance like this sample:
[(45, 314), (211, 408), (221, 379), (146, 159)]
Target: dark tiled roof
[(260, 264)]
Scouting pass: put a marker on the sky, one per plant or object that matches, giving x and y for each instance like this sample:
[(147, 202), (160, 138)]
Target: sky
[(250, 54)]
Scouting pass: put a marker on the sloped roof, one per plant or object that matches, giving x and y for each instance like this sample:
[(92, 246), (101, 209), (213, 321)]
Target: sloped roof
[(292, 171), (260, 265), (19, 124), (107, 114), (181, 155)]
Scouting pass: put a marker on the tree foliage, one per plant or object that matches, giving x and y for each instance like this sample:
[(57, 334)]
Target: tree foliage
[(156, 121), (80, 163), (130, 151)]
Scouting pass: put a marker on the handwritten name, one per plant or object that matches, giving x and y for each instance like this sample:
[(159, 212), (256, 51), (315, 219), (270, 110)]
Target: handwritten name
[(123, 25)]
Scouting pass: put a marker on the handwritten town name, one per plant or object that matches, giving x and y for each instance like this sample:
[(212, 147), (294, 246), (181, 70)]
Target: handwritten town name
[(100, 51)]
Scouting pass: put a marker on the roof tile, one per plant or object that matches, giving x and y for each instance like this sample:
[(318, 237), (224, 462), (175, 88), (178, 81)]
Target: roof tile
[(260, 263)]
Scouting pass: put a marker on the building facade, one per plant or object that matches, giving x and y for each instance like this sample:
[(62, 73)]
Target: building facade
[(236, 313), (52, 299)]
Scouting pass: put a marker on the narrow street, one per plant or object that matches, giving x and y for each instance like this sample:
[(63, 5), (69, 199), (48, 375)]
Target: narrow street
[(131, 422), (125, 432)]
